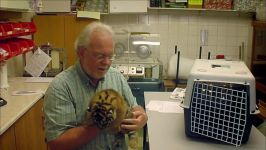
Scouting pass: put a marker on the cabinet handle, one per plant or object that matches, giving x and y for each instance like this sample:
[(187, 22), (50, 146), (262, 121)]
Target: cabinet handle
[(43, 122), (135, 88)]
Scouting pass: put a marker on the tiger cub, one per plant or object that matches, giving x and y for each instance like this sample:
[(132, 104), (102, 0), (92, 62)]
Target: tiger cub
[(107, 109)]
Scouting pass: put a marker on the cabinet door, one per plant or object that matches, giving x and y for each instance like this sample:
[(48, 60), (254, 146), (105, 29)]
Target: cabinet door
[(73, 27), (7, 139), (50, 28), (15, 4), (29, 129), (56, 5), (258, 64)]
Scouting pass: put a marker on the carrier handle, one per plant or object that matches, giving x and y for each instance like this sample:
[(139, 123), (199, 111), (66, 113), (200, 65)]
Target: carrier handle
[(257, 111)]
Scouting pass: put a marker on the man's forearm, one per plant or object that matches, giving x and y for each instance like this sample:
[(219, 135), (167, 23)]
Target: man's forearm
[(74, 138), (138, 108)]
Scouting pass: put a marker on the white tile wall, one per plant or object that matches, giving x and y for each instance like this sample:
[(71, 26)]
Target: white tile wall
[(226, 32)]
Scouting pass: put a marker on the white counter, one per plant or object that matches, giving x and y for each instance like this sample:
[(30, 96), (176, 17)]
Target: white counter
[(18, 105), (166, 131)]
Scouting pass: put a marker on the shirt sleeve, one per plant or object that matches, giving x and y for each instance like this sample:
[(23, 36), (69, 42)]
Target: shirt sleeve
[(127, 93), (58, 110)]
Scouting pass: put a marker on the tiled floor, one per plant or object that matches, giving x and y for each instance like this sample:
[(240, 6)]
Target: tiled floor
[(262, 128)]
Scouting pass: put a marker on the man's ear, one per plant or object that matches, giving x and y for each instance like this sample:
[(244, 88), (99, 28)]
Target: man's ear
[(81, 51)]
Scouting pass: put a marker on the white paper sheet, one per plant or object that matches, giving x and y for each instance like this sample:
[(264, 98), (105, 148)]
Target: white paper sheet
[(164, 106), (27, 92), (178, 94), (39, 79), (37, 63)]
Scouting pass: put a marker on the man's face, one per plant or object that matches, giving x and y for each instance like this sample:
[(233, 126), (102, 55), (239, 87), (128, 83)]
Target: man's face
[(97, 58)]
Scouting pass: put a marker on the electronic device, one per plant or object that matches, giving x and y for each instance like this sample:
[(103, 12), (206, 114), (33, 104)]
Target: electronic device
[(219, 101), (136, 54)]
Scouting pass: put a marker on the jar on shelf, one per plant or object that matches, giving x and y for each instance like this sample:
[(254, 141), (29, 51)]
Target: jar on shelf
[(246, 5), (261, 11)]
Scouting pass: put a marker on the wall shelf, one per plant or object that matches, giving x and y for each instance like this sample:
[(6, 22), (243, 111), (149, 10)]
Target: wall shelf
[(15, 5), (198, 9), (13, 9)]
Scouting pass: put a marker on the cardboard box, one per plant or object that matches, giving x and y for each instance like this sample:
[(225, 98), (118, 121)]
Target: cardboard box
[(218, 4), (225, 4), (195, 3), (210, 4)]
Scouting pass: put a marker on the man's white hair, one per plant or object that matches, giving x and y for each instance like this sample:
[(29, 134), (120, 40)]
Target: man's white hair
[(83, 40)]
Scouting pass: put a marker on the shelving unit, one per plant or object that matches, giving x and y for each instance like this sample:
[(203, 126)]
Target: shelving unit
[(12, 45), (197, 9), (202, 10)]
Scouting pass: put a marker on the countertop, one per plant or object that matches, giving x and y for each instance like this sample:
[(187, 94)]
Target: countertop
[(167, 131), (18, 105)]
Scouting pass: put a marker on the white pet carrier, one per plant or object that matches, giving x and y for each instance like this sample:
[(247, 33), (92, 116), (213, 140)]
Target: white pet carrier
[(219, 101)]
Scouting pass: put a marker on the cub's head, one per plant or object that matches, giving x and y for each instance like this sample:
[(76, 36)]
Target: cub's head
[(104, 106)]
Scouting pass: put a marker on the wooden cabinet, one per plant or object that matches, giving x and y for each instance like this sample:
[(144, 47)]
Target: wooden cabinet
[(27, 133), (50, 28), (29, 129), (258, 64), (73, 27), (7, 139), (60, 31)]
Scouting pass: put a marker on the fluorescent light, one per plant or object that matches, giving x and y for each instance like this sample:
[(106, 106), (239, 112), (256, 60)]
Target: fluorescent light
[(145, 42)]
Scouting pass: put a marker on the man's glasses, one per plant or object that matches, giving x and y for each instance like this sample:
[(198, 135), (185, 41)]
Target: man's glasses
[(102, 57)]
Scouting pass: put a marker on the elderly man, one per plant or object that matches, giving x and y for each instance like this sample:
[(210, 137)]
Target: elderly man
[(69, 94)]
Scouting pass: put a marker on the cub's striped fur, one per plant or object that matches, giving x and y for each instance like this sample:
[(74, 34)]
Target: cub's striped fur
[(107, 109)]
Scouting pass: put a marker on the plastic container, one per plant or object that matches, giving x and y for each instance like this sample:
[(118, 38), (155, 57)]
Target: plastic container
[(8, 29), (2, 32), (15, 48), (31, 44), (220, 101), (29, 27), (3, 54), (17, 28), (5, 47), (23, 45)]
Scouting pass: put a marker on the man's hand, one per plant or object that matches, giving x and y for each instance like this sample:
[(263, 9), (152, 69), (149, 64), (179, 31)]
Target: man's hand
[(138, 120)]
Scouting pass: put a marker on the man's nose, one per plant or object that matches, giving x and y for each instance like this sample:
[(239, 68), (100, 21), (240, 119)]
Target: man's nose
[(107, 60)]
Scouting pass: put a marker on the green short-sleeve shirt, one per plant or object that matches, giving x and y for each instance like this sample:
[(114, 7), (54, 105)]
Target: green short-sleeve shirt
[(67, 99)]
